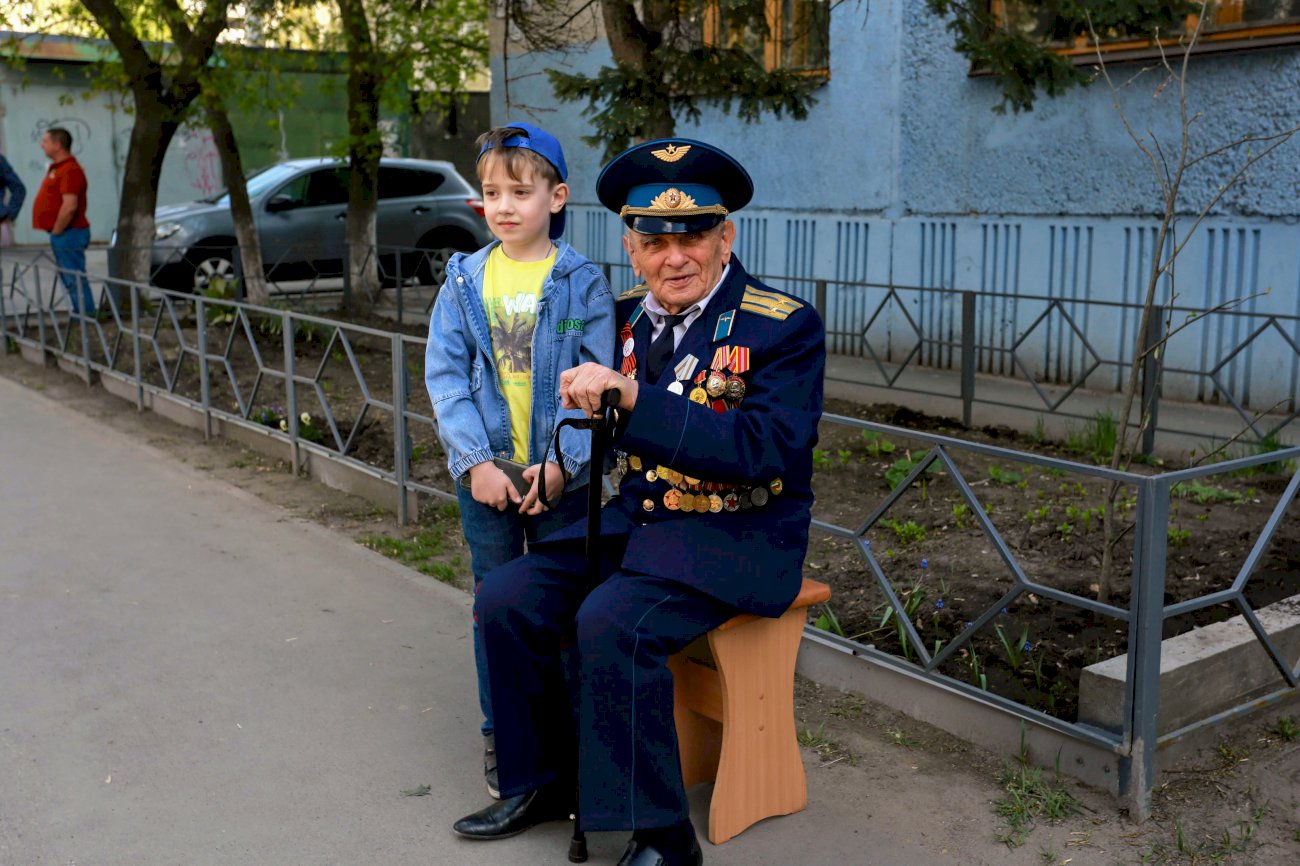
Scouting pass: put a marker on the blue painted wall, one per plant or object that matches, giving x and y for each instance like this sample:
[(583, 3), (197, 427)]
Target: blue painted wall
[(904, 175)]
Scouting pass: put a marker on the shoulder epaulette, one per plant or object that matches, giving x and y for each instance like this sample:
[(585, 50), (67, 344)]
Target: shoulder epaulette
[(635, 292), (766, 303)]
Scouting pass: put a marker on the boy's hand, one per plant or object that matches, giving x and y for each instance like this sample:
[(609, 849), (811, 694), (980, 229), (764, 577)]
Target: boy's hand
[(581, 387), (490, 486), (532, 503)]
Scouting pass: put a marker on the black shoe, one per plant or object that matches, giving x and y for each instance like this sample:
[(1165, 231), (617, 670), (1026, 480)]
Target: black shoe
[(641, 854), (514, 815), (490, 766)]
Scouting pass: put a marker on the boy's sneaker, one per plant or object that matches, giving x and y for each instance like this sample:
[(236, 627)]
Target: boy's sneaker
[(490, 765)]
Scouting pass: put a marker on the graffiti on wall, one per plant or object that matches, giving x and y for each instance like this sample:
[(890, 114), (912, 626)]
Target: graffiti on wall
[(202, 164)]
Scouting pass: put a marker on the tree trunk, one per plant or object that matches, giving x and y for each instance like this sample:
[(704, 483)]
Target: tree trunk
[(633, 42), (135, 224), (365, 147), (232, 171)]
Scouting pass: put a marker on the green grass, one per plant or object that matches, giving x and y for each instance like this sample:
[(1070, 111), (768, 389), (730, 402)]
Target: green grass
[(1027, 798), (1286, 729), (1096, 438), (422, 551), (1204, 494)]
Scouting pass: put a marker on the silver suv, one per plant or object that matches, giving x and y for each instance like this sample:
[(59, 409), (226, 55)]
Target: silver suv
[(426, 212)]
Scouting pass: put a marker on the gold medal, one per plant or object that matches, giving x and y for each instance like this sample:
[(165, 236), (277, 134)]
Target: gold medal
[(673, 500), (715, 385), (715, 503), (776, 486), (688, 502), (648, 505), (698, 395), (691, 482), (758, 496), (634, 462)]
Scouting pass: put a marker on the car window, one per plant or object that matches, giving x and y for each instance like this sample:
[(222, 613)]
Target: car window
[(295, 190), (328, 186), (407, 182), (257, 183)]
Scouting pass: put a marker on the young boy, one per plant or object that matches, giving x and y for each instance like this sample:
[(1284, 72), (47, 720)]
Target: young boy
[(508, 320)]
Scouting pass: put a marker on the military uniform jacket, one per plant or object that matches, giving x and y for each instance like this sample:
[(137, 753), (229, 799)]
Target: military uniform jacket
[(716, 491)]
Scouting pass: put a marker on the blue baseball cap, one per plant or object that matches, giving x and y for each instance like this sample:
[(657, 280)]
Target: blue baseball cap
[(547, 146), (674, 185)]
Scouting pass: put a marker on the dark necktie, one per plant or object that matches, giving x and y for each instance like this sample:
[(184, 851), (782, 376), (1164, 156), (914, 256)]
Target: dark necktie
[(661, 350)]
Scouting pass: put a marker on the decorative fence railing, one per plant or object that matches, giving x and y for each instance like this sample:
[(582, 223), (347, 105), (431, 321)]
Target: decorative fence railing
[(228, 360)]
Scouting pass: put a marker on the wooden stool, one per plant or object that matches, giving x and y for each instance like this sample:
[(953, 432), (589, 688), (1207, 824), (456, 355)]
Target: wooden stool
[(734, 707)]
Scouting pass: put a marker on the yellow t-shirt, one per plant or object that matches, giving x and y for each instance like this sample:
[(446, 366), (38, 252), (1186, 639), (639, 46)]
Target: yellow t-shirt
[(511, 291)]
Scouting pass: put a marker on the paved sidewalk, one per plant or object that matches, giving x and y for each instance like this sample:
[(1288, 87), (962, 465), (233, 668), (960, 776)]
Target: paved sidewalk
[(189, 676)]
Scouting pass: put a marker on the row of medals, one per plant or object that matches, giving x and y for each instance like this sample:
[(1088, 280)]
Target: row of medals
[(686, 493)]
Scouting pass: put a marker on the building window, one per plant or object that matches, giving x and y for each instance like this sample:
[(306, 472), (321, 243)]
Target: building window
[(780, 34), (1230, 25)]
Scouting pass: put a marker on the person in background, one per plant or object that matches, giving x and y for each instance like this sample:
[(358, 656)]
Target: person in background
[(12, 194), (508, 320), (60, 209)]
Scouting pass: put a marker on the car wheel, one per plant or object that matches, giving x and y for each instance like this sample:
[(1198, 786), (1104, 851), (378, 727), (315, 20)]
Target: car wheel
[(432, 269), (212, 267)]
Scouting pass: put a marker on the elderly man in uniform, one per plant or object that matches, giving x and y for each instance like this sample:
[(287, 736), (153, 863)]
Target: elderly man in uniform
[(720, 391)]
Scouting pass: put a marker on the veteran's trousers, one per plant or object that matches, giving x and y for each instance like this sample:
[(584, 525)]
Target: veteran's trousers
[(549, 633)]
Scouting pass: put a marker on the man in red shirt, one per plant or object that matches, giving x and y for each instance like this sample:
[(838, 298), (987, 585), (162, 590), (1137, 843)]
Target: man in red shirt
[(60, 209)]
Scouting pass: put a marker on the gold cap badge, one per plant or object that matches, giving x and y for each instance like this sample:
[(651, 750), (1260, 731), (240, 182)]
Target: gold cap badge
[(671, 153), (672, 199)]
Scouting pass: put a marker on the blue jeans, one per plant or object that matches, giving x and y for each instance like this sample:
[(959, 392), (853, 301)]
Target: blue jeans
[(70, 255), (496, 537)]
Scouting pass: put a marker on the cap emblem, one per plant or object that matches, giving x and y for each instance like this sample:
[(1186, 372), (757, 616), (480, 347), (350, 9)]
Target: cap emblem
[(671, 153), (672, 199)]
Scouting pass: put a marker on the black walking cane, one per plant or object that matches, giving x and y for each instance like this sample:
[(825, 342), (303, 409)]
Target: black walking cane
[(601, 428)]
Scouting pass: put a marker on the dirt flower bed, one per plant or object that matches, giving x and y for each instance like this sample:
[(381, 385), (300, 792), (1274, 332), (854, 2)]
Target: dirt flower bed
[(944, 568)]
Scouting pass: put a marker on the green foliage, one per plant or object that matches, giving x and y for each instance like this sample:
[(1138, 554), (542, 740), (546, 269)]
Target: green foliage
[(1004, 476), (907, 533), (827, 621), (876, 444), (1203, 494), (901, 468), (1287, 729), (1016, 52), (1096, 438)]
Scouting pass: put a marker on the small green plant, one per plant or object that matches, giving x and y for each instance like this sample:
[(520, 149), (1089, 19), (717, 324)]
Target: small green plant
[(961, 515), (899, 737), (1203, 494), (1096, 438), (815, 739), (220, 289), (1028, 797), (876, 444), (1016, 650), (977, 676), (1005, 476), (1038, 515), (828, 621), (821, 458), (418, 452), (1179, 537), (1039, 434), (907, 533), (898, 471), (911, 599), (845, 456), (1286, 729), (1065, 529)]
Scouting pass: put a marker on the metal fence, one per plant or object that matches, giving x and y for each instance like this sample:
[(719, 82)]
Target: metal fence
[(155, 340)]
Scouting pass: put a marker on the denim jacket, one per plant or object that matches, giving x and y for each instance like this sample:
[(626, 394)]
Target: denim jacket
[(575, 324)]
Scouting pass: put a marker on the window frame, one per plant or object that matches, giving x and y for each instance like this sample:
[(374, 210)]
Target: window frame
[(1230, 37), (772, 40)]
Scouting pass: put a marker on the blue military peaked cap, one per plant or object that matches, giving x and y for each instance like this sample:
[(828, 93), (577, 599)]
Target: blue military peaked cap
[(673, 185)]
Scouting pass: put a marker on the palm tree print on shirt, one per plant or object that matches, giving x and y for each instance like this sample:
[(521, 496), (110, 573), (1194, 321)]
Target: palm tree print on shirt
[(512, 344)]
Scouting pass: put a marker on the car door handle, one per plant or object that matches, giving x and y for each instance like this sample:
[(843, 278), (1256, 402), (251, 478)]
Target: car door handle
[(420, 209)]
